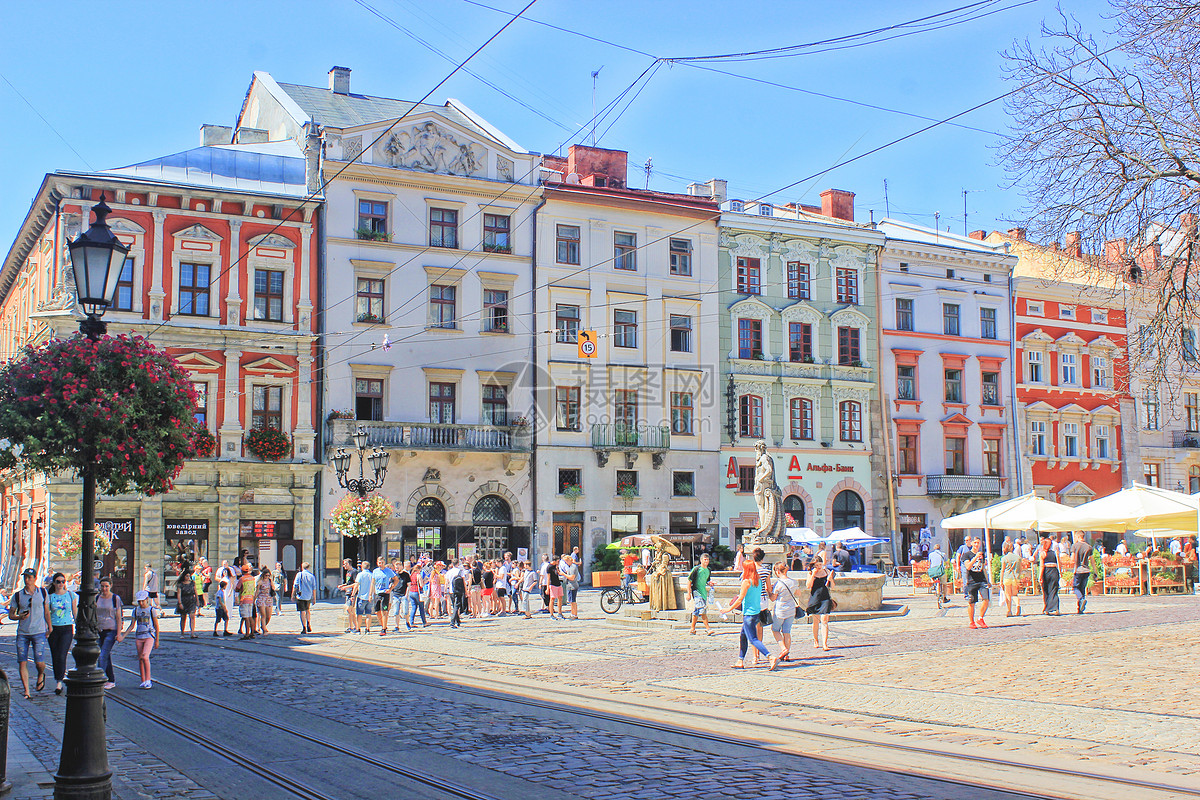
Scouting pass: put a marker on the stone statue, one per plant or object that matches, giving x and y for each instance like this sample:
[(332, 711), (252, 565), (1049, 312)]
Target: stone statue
[(769, 499), (431, 148), (662, 584)]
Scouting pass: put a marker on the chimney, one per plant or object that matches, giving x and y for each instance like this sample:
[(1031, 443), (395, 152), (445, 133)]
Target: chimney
[(250, 136), (215, 134), (605, 167), (978, 235), (1016, 233), (717, 190), (1074, 244), (838, 203), (1114, 251), (339, 80)]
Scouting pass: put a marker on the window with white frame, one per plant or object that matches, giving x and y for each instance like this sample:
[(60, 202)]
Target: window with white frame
[(1191, 411), (1034, 308), (1100, 434), (625, 251), (681, 256), (1099, 316), (495, 310), (566, 323), (987, 323), (1150, 420), (1070, 439), (443, 306), (1037, 438), (1068, 374), (681, 333), (1034, 360), (1100, 373), (624, 328), (201, 389), (1066, 312)]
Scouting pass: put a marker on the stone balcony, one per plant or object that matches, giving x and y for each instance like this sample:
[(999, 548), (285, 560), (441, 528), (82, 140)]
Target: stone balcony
[(962, 485), (630, 440), (417, 436)]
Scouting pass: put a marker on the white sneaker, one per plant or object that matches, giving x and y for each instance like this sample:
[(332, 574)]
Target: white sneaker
[(110, 685), (146, 685)]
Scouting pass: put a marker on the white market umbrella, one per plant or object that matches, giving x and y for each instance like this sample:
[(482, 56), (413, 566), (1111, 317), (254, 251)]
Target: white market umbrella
[(804, 536), (849, 533), (1027, 512), (1138, 506)]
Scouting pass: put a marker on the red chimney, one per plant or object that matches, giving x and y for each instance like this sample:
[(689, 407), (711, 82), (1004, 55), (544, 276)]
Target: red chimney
[(838, 203), (609, 167), (979, 235), (1114, 251), (1074, 245), (1016, 233)]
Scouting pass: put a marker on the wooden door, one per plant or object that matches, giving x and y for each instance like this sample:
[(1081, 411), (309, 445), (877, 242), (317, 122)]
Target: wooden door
[(567, 536)]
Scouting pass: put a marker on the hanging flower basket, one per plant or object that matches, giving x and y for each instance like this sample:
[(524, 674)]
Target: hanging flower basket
[(268, 443), (360, 516), (70, 544), (204, 444)]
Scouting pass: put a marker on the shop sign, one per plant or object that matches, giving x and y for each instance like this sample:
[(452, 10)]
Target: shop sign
[(266, 529), (186, 528), (796, 467), (116, 528), (731, 474)]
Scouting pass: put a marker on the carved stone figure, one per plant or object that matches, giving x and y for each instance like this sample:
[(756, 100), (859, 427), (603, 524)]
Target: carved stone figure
[(431, 148), (769, 500), (504, 169)]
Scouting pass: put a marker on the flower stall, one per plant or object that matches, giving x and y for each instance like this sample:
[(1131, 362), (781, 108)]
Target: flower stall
[(1165, 574), (1122, 575)]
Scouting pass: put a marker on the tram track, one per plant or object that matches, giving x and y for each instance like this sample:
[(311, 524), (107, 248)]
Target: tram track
[(579, 706)]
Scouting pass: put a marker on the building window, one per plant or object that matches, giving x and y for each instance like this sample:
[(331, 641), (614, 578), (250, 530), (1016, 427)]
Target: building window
[(1151, 473), (956, 455), (625, 251), (850, 421), (193, 289), (495, 310), (1101, 434), (442, 306), (1191, 411), (624, 328), (567, 401), (847, 286), (368, 399), (1037, 438), (1070, 439), (1187, 345), (750, 338), (953, 385), (443, 227), (201, 389), (848, 511), (745, 478), (1034, 357), (904, 314), (1069, 376), (567, 244), (566, 324), (681, 413), (1193, 479), (1150, 410), (765, 209), (627, 481), (906, 449), (750, 418), (369, 301), (626, 408), (267, 410), (681, 333), (124, 297), (991, 457), (683, 484), (568, 478), (991, 389), (1099, 316), (495, 404), (268, 295), (372, 220), (442, 403), (950, 319), (749, 276), (799, 281), (848, 352), (987, 323), (801, 419), (1066, 312), (681, 256), (800, 343), (1033, 308), (495, 234), (906, 382), (1099, 372)]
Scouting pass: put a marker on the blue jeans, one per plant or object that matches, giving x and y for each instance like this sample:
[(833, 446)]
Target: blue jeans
[(414, 600), (107, 640), (750, 637), (38, 641)]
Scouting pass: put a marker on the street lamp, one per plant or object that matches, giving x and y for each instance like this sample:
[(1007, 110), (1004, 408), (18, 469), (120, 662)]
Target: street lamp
[(97, 257), (362, 486)]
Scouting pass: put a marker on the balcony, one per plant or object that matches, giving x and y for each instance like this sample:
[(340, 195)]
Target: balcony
[(1185, 439), (630, 439), (962, 485), (429, 436)]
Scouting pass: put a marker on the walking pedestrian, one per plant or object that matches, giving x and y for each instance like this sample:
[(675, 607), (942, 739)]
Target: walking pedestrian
[(978, 585), (204, 577), (699, 586), (437, 585), (416, 598), (1082, 551), (109, 616), (820, 601), (63, 606), (185, 589), (222, 606), (245, 597), (304, 592), (150, 584), (1010, 584), (366, 587), (961, 557), (143, 624), (750, 600), (458, 592), (264, 603), (554, 589), (198, 587), (348, 587), (382, 576), (544, 584), (529, 587), (489, 588), (278, 584), (568, 571), (1048, 565), (739, 558), (784, 612), (475, 588), (398, 603), (30, 607)]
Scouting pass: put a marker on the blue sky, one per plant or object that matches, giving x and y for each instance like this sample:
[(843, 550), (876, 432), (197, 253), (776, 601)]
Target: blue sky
[(107, 85)]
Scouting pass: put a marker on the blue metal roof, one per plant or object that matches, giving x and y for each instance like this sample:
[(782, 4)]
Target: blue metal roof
[(250, 168)]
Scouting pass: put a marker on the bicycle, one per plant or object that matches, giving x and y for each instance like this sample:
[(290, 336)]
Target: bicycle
[(612, 598)]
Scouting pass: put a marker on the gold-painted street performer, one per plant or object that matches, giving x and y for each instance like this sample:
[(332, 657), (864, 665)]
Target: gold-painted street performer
[(662, 583)]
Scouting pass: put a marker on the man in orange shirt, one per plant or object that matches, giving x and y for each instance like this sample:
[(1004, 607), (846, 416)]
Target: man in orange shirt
[(628, 559)]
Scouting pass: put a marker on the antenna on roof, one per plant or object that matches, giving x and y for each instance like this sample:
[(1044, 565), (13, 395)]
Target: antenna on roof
[(595, 75), (887, 207), (649, 168)]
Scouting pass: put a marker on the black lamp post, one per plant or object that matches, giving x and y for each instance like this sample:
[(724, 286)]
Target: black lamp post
[(97, 257), (362, 486)]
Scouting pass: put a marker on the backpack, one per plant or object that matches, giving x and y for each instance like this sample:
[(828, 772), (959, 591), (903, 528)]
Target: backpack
[(19, 592)]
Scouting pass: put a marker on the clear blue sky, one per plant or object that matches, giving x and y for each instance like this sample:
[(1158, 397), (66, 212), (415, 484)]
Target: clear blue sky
[(122, 82)]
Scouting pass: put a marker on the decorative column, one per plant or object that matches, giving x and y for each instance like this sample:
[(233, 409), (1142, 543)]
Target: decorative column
[(231, 425), (303, 433), (229, 520), (233, 299), (158, 295), (304, 296)]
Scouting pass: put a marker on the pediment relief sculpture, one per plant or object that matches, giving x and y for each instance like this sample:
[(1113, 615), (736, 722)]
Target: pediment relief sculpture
[(745, 245), (430, 148), (272, 240), (848, 257), (197, 231)]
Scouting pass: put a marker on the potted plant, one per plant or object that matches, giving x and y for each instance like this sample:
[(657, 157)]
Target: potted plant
[(204, 444), (268, 444), (346, 414), (519, 422), (368, 235), (572, 492), (360, 516), (368, 317), (70, 544), (496, 248)]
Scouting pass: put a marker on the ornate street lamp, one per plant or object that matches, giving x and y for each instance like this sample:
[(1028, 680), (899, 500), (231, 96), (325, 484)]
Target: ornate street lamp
[(97, 257), (362, 486)]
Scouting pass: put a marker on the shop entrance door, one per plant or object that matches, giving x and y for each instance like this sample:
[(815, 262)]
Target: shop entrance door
[(116, 563), (567, 536), (288, 553)]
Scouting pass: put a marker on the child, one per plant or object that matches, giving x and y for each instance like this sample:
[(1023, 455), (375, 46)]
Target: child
[(144, 625), (222, 608)]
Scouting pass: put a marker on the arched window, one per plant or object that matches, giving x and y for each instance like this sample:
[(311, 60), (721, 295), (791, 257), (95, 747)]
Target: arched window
[(751, 416), (430, 511), (491, 519), (848, 511), (1194, 479), (850, 416), (491, 510), (802, 418), (793, 507)]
